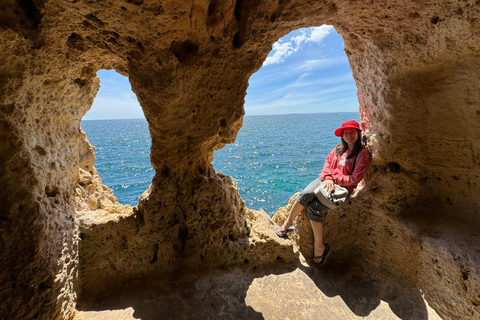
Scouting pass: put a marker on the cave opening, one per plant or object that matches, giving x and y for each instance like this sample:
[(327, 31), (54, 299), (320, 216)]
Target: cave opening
[(116, 126), (302, 93)]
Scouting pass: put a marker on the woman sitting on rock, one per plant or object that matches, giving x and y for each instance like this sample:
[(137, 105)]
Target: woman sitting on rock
[(337, 169)]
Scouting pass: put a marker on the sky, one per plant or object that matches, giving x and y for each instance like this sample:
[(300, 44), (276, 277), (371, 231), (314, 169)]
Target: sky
[(307, 71)]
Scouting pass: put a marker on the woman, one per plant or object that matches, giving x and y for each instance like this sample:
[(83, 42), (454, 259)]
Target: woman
[(337, 169)]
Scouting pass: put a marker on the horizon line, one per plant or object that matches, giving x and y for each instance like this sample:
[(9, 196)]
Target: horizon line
[(247, 115)]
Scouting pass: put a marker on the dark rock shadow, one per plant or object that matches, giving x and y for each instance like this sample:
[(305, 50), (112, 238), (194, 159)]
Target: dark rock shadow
[(214, 294), (363, 287)]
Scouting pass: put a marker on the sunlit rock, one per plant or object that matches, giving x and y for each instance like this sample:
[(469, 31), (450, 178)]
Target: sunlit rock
[(63, 234)]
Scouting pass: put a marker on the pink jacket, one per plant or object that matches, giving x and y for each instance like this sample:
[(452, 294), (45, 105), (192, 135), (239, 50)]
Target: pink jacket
[(338, 168)]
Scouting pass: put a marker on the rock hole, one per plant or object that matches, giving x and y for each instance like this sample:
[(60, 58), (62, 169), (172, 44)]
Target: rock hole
[(51, 191), (238, 7), (42, 286), (31, 12), (182, 238), (75, 41), (87, 24), (285, 95), (394, 166), (434, 19), (237, 40), (40, 150), (80, 82), (116, 127), (136, 2), (165, 171), (223, 122), (92, 17), (212, 7), (183, 50), (155, 253)]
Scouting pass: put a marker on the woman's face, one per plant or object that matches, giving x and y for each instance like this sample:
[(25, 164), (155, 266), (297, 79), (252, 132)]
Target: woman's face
[(350, 136)]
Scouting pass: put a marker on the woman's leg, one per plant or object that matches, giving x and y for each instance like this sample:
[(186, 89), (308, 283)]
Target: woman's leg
[(318, 246), (294, 211), (303, 199)]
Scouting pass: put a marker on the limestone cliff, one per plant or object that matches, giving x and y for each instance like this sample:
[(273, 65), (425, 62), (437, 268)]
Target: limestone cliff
[(416, 66)]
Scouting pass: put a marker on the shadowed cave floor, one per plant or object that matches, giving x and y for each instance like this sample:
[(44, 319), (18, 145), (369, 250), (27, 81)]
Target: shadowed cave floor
[(337, 291)]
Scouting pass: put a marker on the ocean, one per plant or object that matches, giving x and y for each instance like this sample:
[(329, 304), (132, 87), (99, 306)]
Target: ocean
[(273, 157)]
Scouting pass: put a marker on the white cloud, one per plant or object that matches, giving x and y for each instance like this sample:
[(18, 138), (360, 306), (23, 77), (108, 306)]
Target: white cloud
[(281, 49), (305, 81), (290, 100), (306, 84), (309, 65), (310, 104), (319, 33), (270, 75)]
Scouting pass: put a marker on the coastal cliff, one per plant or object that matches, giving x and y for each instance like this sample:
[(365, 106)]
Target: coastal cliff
[(64, 237)]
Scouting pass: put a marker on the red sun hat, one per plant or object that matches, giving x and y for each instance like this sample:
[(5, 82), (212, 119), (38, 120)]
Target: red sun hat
[(349, 124)]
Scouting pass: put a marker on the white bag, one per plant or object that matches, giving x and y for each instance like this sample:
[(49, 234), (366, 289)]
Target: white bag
[(334, 198)]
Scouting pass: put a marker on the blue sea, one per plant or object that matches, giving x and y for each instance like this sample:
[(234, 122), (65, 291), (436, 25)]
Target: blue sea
[(273, 157)]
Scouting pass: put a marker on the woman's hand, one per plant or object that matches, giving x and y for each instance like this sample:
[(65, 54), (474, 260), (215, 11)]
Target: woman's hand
[(329, 185)]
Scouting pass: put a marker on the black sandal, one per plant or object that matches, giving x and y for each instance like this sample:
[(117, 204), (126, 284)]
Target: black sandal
[(323, 257), (282, 233)]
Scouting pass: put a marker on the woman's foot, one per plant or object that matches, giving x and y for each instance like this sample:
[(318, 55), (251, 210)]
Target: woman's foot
[(282, 232), (319, 261)]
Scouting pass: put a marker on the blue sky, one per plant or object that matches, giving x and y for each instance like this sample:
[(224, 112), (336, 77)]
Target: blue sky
[(307, 71)]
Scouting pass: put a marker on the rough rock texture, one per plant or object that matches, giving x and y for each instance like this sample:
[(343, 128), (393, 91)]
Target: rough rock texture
[(300, 293), (416, 66), (94, 201)]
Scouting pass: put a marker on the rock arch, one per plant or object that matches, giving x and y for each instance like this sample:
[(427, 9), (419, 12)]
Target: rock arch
[(416, 68)]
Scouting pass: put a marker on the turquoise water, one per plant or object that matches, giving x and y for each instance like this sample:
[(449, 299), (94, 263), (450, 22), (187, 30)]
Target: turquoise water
[(123, 156), (272, 158)]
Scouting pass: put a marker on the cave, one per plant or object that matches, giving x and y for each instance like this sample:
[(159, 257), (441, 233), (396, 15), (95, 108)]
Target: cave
[(416, 67)]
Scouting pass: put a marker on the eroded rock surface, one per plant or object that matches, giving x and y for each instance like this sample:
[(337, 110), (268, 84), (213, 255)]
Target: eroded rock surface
[(416, 66)]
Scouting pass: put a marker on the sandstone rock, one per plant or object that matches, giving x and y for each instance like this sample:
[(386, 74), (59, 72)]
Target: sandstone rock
[(416, 68), (295, 295), (126, 314)]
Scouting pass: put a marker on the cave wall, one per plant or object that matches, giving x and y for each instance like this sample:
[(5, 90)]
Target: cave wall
[(39, 231), (415, 66)]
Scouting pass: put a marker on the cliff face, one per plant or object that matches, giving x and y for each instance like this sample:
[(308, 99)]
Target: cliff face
[(416, 66)]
